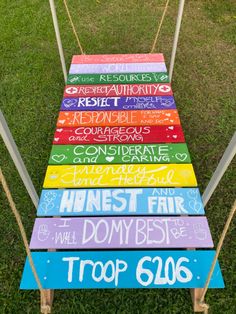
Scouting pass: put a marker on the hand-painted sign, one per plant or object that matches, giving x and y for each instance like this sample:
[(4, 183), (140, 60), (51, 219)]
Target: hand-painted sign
[(118, 58), (117, 68), (127, 175), (118, 118), (113, 90), (122, 269), (118, 103), (121, 232), (118, 201), (119, 154), (118, 135), (118, 78)]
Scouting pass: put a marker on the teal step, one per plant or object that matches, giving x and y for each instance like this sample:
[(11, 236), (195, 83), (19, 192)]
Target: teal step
[(122, 269)]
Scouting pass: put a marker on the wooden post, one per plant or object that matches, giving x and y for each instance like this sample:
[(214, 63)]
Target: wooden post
[(49, 294), (47, 308), (196, 294)]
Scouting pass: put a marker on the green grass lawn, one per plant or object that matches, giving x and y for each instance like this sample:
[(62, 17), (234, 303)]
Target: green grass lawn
[(31, 90)]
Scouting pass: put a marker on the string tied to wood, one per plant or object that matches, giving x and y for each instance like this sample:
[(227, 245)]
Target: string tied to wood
[(218, 250), (46, 309), (159, 27), (73, 27), (78, 39), (204, 306)]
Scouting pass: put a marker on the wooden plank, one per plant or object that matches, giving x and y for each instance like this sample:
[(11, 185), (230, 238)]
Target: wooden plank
[(117, 68), (118, 58), (118, 103), (128, 175), (49, 295), (118, 201), (118, 118), (119, 154), (110, 269), (196, 295), (120, 233), (114, 90), (119, 135), (118, 78)]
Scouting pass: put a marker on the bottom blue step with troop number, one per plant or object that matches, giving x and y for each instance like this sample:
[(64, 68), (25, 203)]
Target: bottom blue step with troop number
[(122, 269)]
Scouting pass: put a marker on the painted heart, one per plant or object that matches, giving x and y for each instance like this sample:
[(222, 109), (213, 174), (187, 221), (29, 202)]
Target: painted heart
[(174, 136), (56, 139), (59, 130), (73, 79), (68, 105), (181, 157), (69, 102), (163, 77), (109, 159), (168, 114), (195, 205), (58, 158), (171, 128), (61, 121)]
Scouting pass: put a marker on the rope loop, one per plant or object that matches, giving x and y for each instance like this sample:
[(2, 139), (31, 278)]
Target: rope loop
[(45, 309), (204, 306)]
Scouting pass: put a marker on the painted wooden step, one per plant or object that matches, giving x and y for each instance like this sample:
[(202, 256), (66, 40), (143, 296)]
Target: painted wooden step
[(134, 67), (120, 78), (119, 154), (118, 118), (118, 201), (114, 90), (122, 269), (119, 135), (118, 58), (121, 233), (118, 103), (127, 175)]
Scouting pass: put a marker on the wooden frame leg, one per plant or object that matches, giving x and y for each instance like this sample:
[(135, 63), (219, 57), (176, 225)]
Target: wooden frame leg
[(196, 294), (47, 308)]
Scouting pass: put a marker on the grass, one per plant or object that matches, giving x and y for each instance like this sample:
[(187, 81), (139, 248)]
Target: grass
[(31, 89)]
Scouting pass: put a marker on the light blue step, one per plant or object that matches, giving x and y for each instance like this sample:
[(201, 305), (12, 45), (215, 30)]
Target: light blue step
[(120, 201)]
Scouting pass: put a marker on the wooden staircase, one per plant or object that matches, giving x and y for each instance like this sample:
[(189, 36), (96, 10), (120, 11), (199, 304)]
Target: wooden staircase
[(120, 206)]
